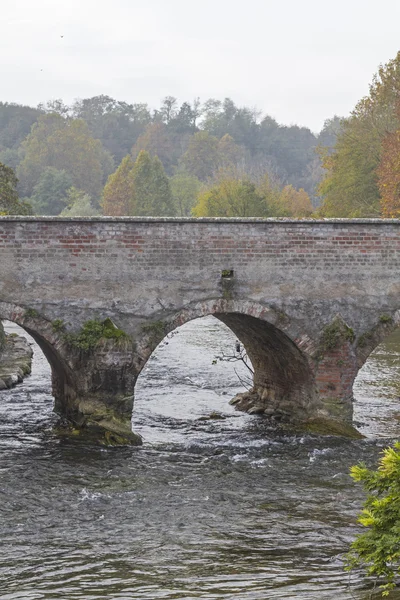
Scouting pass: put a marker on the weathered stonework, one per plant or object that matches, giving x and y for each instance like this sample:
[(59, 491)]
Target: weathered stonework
[(15, 361), (308, 299)]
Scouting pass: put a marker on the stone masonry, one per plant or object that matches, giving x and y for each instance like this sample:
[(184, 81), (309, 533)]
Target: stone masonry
[(308, 299)]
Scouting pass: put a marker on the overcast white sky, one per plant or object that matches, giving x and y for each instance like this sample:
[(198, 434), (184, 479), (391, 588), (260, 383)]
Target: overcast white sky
[(301, 61)]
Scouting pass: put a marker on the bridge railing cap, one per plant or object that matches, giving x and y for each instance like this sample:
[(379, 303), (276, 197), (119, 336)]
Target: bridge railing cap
[(272, 220)]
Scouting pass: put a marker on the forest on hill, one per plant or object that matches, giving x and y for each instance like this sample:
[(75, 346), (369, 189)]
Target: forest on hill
[(105, 156), (75, 157)]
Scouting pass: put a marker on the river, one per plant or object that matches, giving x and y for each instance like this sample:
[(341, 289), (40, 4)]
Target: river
[(212, 509)]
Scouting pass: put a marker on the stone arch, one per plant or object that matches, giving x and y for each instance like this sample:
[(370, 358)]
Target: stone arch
[(369, 340), (51, 343), (280, 351)]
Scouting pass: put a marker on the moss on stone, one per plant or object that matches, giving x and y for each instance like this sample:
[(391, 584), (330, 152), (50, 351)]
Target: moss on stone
[(31, 313), (155, 330), (334, 334), (92, 332), (326, 426), (365, 339), (386, 319), (58, 325)]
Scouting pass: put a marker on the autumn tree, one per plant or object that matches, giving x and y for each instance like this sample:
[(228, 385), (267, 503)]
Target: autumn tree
[(294, 203), (151, 190), (389, 172), (231, 198), (118, 191), (350, 188)]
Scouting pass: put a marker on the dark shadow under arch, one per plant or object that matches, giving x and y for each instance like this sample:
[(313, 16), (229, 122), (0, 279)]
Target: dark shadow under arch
[(283, 376)]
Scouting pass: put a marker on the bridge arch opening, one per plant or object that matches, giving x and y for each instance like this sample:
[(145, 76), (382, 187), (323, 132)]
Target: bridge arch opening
[(42, 332), (283, 385), (377, 384)]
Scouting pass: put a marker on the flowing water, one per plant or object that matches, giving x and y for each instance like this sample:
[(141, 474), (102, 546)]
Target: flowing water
[(214, 509)]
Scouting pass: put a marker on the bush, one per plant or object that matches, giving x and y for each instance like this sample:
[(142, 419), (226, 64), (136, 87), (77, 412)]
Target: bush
[(377, 551)]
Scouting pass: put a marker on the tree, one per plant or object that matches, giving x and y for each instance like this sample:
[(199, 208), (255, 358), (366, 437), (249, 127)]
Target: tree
[(389, 173), (350, 188), (377, 550), (65, 144), (151, 191), (201, 157), (329, 133), (231, 198), (230, 154), (168, 109), (15, 123), (51, 191), (9, 202), (185, 189), (79, 205), (157, 142), (184, 120), (295, 203), (118, 191), (115, 123), (269, 190)]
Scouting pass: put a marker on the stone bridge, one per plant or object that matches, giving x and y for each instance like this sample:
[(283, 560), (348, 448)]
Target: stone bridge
[(308, 299)]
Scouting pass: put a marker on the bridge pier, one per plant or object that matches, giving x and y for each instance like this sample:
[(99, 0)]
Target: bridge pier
[(95, 396)]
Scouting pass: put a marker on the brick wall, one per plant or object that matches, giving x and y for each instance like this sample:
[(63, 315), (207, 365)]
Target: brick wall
[(141, 266)]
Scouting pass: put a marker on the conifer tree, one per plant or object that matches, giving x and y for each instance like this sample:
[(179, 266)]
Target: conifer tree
[(118, 191), (151, 191)]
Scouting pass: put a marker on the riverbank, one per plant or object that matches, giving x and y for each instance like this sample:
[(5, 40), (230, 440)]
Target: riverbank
[(15, 361)]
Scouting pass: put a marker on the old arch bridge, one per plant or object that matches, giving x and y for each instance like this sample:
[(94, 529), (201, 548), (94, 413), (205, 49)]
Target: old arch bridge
[(308, 299)]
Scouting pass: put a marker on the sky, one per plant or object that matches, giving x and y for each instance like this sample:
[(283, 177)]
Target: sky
[(299, 61)]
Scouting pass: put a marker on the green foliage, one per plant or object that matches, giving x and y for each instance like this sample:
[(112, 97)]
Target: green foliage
[(15, 124), (335, 333), (201, 159), (92, 332), (65, 144), (231, 198), (9, 202), (386, 319), (151, 190), (365, 339), (31, 313), (58, 325), (377, 551), (50, 192), (115, 123), (185, 189), (79, 205)]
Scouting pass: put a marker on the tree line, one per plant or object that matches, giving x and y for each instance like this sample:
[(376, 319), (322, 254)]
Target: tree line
[(105, 156), (180, 158)]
